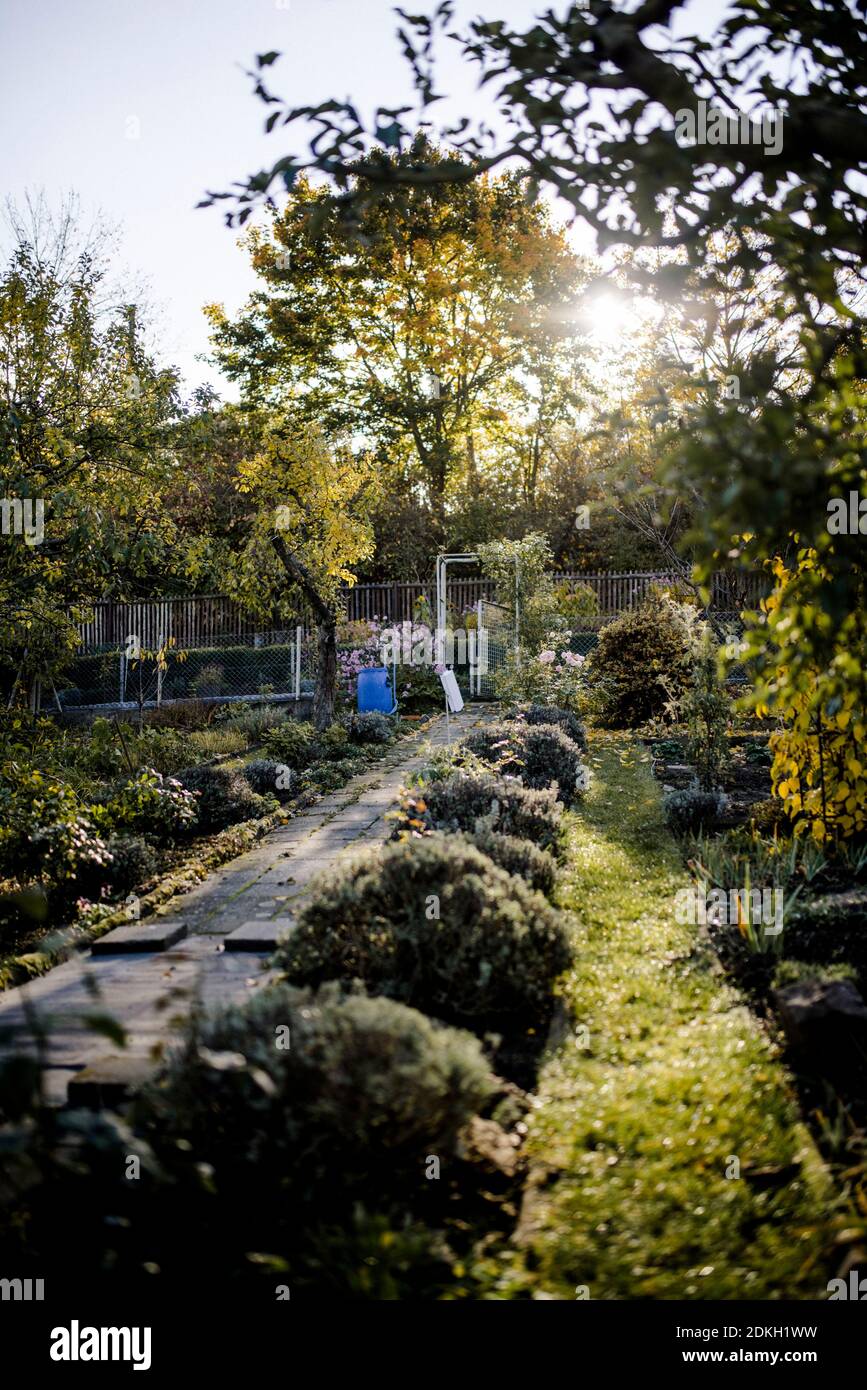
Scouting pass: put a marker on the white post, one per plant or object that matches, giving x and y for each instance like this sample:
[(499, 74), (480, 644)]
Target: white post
[(479, 647), (298, 632)]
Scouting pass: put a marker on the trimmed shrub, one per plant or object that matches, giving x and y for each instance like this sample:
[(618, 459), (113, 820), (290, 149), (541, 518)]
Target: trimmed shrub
[(370, 727), (269, 778), (290, 1125), (132, 861), (436, 924), (358, 1083), (537, 753), (691, 809), (520, 857), (223, 798), (551, 714), (641, 663), (477, 801)]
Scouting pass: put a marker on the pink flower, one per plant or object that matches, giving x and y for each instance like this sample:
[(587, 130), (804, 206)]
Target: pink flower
[(546, 658), (573, 659)]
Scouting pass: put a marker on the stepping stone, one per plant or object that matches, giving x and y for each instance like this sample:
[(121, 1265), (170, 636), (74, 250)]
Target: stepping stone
[(108, 1082), (258, 936), (139, 936)]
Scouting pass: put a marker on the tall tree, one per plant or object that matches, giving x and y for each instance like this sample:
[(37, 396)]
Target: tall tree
[(407, 333), (83, 418), (308, 508)]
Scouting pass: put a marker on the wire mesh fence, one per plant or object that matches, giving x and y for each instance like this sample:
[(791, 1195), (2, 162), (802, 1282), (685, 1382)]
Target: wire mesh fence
[(276, 664)]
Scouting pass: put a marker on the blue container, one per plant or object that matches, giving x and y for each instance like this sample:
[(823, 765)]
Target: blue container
[(374, 690)]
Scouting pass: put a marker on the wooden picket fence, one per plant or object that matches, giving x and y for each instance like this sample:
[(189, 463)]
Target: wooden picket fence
[(204, 619)]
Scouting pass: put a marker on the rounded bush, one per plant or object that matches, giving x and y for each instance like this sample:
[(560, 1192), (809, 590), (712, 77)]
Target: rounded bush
[(478, 801), (642, 661), (552, 714), (270, 778), (223, 798), (436, 924), (539, 754), (691, 809), (351, 1083), (132, 861), (370, 727), (520, 857)]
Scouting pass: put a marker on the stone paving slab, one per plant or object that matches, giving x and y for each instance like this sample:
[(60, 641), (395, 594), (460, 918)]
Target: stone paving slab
[(214, 941), (140, 936)]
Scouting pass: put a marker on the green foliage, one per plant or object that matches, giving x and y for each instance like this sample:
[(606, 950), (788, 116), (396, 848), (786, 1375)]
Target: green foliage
[(519, 857), (517, 568), (476, 801), (45, 833), (218, 742), (131, 861), (253, 721), (642, 662), (222, 798), (270, 778), (553, 675), (668, 1041), (148, 804), (551, 714), (540, 754), (418, 690), (240, 1138), (434, 923), (706, 710), (370, 727), (691, 808), (289, 743)]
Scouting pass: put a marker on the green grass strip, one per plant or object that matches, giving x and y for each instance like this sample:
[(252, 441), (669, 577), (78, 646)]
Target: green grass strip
[(634, 1133)]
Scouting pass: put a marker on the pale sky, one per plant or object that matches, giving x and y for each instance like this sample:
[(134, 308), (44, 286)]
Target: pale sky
[(140, 105)]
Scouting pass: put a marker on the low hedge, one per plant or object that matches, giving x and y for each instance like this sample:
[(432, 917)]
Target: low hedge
[(436, 924), (475, 801), (539, 754)]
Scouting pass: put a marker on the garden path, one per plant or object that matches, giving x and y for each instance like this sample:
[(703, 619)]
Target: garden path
[(210, 946)]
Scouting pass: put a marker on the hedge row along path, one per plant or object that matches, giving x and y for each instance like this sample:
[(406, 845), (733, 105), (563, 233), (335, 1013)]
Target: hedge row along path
[(635, 1131), (207, 948)]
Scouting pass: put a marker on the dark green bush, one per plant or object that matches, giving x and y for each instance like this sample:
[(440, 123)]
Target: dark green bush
[(270, 1130), (551, 714), (419, 690), (269, 778), (223, 798), (476, 801), (691, 809), (130, 861), (519, 857), (370, 727), (539, 754), (355, 1076), (436, 924), (642, 662)]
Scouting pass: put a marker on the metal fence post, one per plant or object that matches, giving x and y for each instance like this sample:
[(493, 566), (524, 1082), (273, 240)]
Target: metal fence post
[(298, 632)]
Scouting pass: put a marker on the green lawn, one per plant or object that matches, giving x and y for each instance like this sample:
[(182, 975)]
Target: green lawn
[(634, 1132)]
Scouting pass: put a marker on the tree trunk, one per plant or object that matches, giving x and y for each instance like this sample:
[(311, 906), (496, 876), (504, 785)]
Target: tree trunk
[(326, 627), (326, 674)]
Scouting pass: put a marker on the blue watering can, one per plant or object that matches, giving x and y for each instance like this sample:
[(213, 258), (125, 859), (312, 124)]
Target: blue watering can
[(374, 690)]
